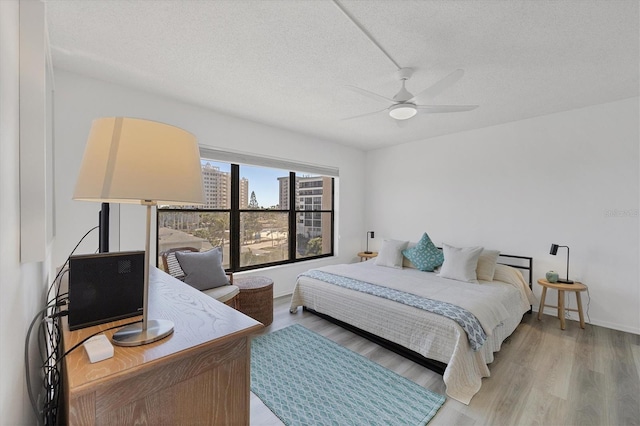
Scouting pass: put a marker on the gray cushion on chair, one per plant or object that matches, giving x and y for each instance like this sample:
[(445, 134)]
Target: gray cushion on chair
[(223, 293), (203, 270)]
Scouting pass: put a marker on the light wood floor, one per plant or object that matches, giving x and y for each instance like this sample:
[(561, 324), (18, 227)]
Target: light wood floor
[(542, 375)]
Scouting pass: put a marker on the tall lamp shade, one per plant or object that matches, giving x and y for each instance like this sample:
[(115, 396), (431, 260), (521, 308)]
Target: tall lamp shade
[(130, 160)]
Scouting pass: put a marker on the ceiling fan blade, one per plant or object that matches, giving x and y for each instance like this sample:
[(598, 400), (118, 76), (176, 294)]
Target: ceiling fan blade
[(370, 94), (433, 109), (364, 115), (437, 88)]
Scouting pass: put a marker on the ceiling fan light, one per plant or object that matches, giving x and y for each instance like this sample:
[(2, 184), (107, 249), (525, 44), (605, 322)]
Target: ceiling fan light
[(402, 111)]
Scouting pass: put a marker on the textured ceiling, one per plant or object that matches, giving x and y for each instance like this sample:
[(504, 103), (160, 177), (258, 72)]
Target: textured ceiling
[(285, 63)]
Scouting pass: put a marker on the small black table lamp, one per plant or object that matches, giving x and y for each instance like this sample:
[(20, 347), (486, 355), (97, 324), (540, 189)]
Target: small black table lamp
[(553, 251), (369, 233)]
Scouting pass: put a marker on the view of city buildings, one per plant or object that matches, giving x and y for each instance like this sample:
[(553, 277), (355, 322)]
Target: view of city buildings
[(264, 232), (309, 196), (217, 188)]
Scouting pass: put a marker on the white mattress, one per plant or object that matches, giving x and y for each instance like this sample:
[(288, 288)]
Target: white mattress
[(498, 305)]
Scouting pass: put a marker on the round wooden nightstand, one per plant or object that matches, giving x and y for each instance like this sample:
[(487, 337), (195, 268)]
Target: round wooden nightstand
[(576, 287), (366, 256)]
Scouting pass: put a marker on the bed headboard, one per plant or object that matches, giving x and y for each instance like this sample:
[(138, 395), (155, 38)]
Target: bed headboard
[(520, 262)]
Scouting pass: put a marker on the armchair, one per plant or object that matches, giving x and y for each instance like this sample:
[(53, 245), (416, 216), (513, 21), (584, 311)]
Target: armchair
[(227, 294)]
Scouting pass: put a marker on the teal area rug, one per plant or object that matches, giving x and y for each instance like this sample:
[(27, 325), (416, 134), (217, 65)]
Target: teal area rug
[(307, 379)]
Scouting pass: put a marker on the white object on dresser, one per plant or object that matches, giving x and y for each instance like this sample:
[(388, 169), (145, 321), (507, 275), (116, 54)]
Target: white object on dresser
[(98, 348)]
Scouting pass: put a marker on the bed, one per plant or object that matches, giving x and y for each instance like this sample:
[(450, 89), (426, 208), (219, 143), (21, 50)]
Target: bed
[(348, 295)]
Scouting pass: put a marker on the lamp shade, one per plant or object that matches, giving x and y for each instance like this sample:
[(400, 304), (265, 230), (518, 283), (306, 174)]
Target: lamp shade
[(130, 160)]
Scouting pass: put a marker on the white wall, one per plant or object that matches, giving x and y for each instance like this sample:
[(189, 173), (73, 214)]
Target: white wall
[(570, 178), (80, 99), (517, 187), (21, 285)]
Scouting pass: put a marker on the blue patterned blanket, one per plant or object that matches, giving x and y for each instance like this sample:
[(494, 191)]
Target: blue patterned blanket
[(463, 317)]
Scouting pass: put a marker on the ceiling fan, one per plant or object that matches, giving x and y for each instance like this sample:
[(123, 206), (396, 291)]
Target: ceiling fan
[(405, 105)]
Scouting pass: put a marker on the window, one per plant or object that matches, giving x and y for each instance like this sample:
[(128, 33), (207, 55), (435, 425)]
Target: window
[(259, 216)]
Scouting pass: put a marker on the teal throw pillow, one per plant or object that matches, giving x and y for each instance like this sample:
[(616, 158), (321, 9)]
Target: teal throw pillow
[(425, 255)]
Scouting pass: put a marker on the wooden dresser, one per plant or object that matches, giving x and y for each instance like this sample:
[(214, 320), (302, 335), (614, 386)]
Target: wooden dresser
[(198, 375)]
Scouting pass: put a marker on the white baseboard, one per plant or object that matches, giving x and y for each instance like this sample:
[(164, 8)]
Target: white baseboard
[(573, 316)]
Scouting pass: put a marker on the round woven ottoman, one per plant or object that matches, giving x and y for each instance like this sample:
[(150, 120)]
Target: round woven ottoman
[(256, 297)]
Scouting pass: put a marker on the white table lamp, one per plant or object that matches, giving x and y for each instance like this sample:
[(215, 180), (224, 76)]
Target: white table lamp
[(129, 160)]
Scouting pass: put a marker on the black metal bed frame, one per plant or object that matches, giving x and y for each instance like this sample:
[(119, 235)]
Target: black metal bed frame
[(520, 262)]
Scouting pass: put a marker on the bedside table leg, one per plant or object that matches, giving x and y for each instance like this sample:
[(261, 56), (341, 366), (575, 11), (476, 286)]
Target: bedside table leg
[(541, 308), (561, 308), (579, 299)]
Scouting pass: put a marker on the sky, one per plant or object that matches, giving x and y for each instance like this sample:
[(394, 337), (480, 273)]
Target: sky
[(264, 182)]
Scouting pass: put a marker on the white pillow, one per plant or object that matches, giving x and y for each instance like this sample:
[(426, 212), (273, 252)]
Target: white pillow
[(460, 263), (487, 264), (391, 253), (406, 263)]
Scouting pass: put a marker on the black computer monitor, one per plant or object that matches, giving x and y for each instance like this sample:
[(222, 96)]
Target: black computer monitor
[(105, 287)]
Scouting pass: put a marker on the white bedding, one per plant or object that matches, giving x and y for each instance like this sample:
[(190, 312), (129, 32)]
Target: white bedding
[(498, 305)]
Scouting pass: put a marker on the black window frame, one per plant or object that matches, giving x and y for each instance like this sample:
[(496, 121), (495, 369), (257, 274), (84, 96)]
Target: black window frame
[(234, 222)]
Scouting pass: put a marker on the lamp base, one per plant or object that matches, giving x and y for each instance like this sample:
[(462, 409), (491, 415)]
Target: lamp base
[(133, 335), (563, 281)]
